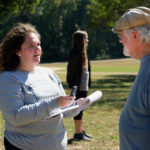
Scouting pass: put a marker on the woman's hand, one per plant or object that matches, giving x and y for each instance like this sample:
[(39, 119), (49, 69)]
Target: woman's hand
[(83, 103), (65, 100), (79, 100)]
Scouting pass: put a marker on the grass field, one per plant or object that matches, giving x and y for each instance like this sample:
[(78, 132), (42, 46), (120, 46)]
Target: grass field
[(114, 78)]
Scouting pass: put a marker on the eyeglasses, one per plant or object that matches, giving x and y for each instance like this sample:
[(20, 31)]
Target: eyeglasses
[(120, 34)]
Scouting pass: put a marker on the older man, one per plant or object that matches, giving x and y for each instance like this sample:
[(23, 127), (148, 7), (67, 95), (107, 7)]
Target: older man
[(133, 29)]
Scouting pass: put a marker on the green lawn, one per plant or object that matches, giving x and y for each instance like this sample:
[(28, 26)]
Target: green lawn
[(114, 78)]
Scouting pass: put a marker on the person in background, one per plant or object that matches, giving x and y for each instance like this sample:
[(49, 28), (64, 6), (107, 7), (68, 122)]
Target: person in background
[(30, 94), (78, 74), (133, 29)]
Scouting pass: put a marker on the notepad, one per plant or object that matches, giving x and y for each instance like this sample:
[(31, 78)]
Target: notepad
[(81, 104)]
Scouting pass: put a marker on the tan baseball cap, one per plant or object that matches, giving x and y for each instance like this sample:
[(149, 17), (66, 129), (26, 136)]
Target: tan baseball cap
[(133, 17)]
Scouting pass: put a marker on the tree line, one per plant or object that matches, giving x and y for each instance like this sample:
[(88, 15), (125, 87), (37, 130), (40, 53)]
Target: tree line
[(57, 20)]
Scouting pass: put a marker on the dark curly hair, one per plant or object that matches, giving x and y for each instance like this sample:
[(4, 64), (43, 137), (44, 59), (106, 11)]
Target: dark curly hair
[(9, 60)]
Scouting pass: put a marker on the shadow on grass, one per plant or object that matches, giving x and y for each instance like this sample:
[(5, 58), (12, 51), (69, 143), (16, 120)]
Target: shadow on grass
[(115, 89), (113, 82)]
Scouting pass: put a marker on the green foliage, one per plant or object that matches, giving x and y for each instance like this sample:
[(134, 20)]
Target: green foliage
[(13, 11), (57, 24), (12, 7), (108, 11), (57, 20)]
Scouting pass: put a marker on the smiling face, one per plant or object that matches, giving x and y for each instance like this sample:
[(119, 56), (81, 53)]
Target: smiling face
[(30, 52)]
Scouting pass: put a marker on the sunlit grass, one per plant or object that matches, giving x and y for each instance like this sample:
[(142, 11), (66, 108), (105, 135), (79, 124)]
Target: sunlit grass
[(116, 65)]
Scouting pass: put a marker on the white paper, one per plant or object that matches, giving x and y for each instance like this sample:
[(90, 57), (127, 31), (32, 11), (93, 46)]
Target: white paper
[(89, 100), (81, 105), (57, 112)]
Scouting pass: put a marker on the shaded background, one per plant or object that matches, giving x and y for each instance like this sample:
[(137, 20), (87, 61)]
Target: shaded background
[(57, 20)]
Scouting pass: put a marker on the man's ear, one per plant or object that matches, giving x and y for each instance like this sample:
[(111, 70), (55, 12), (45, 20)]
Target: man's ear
[(135, 35)]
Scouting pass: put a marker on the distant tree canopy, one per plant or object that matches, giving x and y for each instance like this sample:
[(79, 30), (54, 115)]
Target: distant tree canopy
[(57, 20), (11, 7), (108, 11)]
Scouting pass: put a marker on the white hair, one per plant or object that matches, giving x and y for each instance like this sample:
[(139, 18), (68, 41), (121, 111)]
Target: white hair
[(143, 31)]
